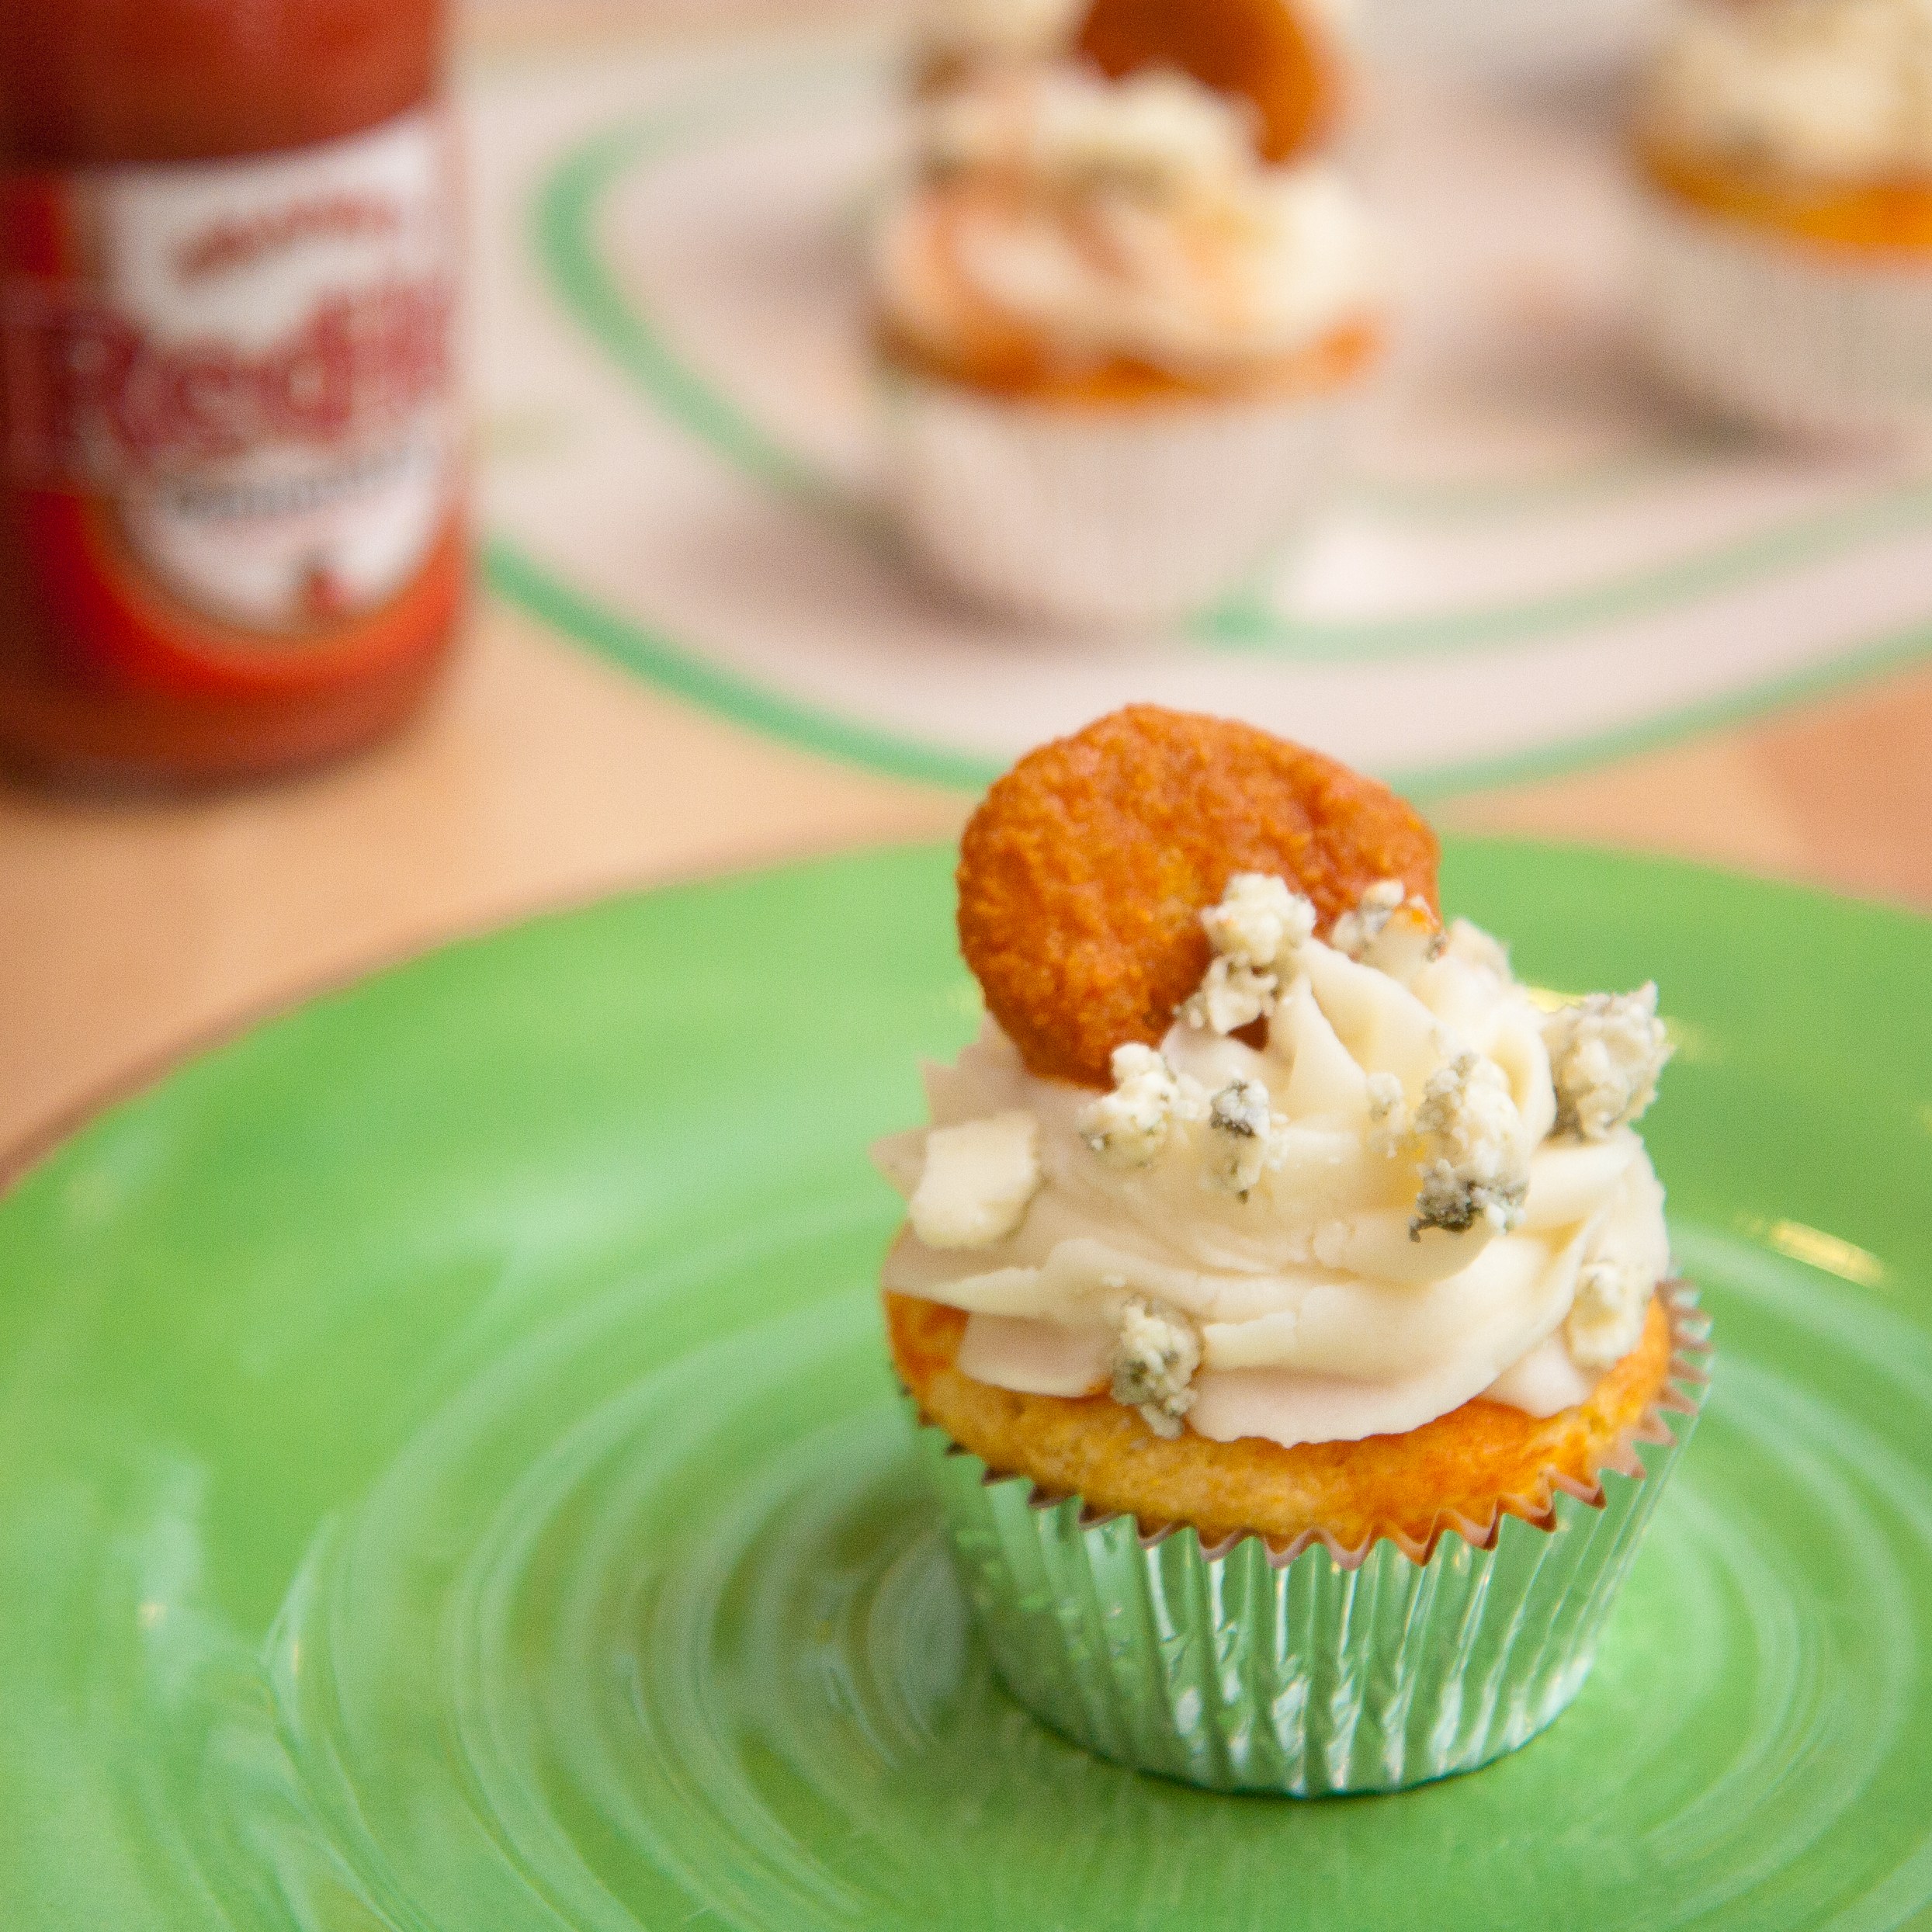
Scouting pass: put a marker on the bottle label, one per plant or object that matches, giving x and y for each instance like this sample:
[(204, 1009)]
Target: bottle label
[(245, 371)]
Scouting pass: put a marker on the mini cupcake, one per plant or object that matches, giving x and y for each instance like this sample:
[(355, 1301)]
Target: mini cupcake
[(1285, 1293), (1786, 276), (1120, 349)]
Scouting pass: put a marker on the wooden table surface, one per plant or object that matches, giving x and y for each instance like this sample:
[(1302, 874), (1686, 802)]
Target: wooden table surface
[(541, 776)]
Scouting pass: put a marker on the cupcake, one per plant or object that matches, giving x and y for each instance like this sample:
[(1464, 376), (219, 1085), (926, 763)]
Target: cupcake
[(1786, 238), (1120, 349), (1284, 1294)]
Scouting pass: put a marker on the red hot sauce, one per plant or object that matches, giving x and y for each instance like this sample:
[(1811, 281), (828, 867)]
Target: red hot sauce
[(231, 447)]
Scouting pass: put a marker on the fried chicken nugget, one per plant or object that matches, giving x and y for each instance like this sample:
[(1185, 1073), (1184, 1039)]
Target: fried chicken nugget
[(1270, 51), (1468, 1463), (1083, 874)]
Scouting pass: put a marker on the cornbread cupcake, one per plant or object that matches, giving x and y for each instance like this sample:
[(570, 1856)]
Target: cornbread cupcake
[(1284, 1292), (1786, 277), (1121, 349)]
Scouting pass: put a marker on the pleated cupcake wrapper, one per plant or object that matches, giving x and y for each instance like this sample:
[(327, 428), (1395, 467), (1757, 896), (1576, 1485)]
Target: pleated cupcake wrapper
[(1092, 517), (1313, 1669), (1833, 345)]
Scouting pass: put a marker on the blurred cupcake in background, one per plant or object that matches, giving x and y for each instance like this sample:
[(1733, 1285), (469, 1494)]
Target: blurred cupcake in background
[(1122, 346), (1786, 278)]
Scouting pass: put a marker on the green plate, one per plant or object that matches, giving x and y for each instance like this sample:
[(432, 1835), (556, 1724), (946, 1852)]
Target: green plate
[(449, 1478)]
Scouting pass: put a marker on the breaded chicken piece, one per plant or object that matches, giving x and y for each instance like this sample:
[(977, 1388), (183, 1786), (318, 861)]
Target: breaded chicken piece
[(1083, 874), (1270, 52)]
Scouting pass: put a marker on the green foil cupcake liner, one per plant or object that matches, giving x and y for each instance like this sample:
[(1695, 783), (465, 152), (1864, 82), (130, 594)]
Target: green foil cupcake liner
[(1313, 1669)]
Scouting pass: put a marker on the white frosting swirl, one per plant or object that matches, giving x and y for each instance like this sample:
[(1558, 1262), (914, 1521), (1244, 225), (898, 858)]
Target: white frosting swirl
[(1128, 218), (1356, 1229), (1833, 89)]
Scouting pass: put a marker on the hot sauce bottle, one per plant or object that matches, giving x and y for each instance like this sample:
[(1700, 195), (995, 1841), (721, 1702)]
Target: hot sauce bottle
[(231, 450)]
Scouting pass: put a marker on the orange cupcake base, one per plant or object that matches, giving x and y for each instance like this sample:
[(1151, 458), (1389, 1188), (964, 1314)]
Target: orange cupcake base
[(1011, 367), (1463, 1472), (1880, 217)]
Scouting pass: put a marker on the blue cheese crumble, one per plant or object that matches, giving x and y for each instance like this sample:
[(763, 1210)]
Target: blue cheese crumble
[(1605, 1054), (1156, 1355), (1129, 1127), (1244, 1137), (1469, 1137), (1255, 931), (1354, 931), (1391, 929), (1234, 995), (1260, 920), (1134, 1125)]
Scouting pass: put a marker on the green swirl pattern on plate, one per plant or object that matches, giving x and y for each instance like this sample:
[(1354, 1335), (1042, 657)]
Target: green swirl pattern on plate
[(451, 1480)]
